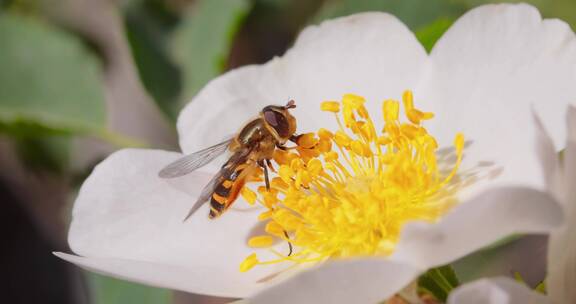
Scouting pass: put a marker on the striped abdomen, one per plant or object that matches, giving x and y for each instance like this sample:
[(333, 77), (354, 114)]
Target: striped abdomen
[(227, 190)]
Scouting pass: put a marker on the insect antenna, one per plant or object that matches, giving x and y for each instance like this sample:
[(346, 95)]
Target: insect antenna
[(290, 105)]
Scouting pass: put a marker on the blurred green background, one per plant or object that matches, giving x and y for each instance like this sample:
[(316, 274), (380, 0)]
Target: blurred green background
[(80, 79)]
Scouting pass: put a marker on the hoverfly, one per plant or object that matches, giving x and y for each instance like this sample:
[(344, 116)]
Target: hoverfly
[(251, 148)]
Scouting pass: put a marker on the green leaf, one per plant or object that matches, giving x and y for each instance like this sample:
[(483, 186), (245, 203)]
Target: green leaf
[(106, 290), (202, 41), (503, 242), (415, 13), (439, 282), (50, 84), (149, 28), (48, 78), (25, 7), (505, 257), (46, 153), (428, 35)]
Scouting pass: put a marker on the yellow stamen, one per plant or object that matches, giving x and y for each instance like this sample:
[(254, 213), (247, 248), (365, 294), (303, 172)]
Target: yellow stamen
[(248, 195), (355, 199), (274, 228), (249, 263), (330, 106), (307, 140), (261, 241), (390, 110)]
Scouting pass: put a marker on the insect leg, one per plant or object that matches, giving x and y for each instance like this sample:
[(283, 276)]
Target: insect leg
[(289, 244), (284, 148), (266, 178), (294, 138), (269, 163)]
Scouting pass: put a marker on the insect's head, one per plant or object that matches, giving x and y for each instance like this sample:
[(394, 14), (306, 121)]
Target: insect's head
[(279, 119)]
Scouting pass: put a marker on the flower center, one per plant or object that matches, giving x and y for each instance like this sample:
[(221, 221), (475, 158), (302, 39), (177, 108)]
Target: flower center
[(348, 193)]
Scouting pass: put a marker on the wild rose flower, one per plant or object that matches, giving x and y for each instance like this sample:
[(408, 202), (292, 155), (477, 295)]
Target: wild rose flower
[(560, 173), (481, 80)]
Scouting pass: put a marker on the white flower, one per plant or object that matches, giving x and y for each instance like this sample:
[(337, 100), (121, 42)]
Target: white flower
[(560, 173), (481, 79), (496, 291)]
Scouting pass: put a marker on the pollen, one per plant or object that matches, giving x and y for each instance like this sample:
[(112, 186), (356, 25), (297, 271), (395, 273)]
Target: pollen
[(249, 263), (248, 195), (348, 192), (261, 241), (330, 106)]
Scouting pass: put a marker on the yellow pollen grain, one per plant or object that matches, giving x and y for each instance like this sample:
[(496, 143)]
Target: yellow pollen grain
[(278, 183), (249, 263), (283, 157), (286, 173), (324, 146), (353, 101), (341, 139), (331, 156), (307, 140), (325, 134), (248, 195), (274, 228), (408, 100), (358, 147), (265, 215), (348, 192), (390, 109), (261, 241), (383, 140), (459, 142), (269, 199), (314, 166), (330, 106)]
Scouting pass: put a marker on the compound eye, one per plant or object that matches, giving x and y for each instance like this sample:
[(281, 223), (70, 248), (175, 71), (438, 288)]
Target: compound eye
[(270, 117), (278, 122)]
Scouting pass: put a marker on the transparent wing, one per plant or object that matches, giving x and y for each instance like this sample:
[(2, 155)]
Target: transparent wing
[(206, 194), (223, 174), (194, 161)]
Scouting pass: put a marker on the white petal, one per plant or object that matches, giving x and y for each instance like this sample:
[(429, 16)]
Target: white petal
[(144, 272), (225, 104), (126, 213), (495, 291), (353, 281), (479, 222), (371, 54), (562, 247), (487, 71), (569, 165), (549, 161)]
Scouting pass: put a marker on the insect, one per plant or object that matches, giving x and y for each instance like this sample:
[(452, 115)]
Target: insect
[(251, 148)]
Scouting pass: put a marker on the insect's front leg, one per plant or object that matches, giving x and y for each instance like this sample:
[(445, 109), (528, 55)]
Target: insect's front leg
[(266, 178), (269, 163), (284, 148), (294, 138)]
